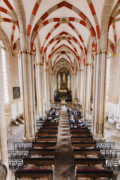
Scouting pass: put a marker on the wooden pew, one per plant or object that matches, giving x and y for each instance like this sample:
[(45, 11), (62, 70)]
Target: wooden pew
[(81, 133), (46, 138), (42, 152), (84, 144), (49, 126), (39, 161), (89, 161), (86, 151), (50, 123), (44, 144), (94, 173), (79, 130), (34, 174), (82, 139), (46, 133), (48, 130)]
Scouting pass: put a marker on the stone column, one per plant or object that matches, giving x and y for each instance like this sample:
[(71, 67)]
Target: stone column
[(3, 133), (34, 95), (52, 88), (84, 90), (78, 85), (39, 67), (28, 95), (73, 87), (81, 87), (95, 84), (43, 92), (92, 82), (81, 82), (87, 90), (48, 90), (45, 89), (39, 88), (99, 95)]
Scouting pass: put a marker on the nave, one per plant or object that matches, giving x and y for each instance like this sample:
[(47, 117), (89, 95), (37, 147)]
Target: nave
[(65, 149)]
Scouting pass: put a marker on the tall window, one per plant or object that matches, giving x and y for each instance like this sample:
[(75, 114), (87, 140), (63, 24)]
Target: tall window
[(69, 82), (58, 81), (4, 69)]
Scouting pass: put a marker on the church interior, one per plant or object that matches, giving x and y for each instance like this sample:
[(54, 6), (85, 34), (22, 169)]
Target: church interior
[(59, 90)]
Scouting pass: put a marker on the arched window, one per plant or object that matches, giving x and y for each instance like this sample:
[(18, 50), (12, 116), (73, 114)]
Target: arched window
[(4, 69)]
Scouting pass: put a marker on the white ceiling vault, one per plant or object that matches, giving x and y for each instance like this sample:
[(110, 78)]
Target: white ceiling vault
[(63, 27)]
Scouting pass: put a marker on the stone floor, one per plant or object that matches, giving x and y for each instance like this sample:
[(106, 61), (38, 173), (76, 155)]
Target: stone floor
[(112, 134), (15, 134), (64, 160)]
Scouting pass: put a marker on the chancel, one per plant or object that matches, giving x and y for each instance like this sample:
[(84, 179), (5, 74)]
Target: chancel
[(63, 80), (59, 89)]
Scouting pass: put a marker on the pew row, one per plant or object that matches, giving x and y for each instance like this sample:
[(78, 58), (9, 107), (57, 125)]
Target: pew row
[(44, 144), (89, 161), (82, 139), (34, 174), (83, 144), (94, 173), (86, 152), (48, 129), (46, 138), (42, 152), (39, 161)]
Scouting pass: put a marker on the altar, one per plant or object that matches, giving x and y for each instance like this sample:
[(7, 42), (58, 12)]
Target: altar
[(63, 90)]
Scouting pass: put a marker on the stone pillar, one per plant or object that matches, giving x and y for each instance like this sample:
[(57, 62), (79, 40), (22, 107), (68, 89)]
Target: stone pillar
[(92, 82), (99, 94), (39, 88), (81, 88), (84, 90), (95, 84), (52, 88), (73, 87), (92, 90), (43, 92), (87, 90), (78, 85), (3, 133), (34, 95), (45, 89), (81, 82), (48, 89), (28, 95)]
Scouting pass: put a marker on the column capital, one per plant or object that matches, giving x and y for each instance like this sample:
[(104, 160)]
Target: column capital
[(100, 51), (27, 51), (39, 64), (87, 64)]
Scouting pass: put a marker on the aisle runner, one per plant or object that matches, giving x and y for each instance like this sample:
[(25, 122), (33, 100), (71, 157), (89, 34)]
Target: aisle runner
[(64, 160)]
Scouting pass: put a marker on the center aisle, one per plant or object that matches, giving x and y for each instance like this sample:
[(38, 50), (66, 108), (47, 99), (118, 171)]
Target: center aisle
[(64, 159)]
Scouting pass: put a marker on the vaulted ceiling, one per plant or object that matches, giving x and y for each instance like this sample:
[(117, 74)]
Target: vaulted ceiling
[(64, 28)]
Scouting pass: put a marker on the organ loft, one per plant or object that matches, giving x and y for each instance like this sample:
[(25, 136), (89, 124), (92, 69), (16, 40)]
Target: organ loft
[(60, 90)]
